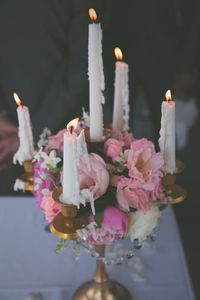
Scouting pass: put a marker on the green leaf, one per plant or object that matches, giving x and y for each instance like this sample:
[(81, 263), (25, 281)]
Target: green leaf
[(53, 169), (62, 245)]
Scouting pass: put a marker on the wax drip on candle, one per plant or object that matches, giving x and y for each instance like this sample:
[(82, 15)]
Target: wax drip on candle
[(26, 148)]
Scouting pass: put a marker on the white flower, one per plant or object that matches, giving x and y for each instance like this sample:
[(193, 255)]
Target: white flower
[(141, 224), (37, 155), (50, 159)]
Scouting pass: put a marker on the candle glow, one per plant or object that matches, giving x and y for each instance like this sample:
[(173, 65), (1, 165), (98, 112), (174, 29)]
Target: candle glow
[(17, 99), (118, 53), (72, 124), (92, 14), (168, 96)]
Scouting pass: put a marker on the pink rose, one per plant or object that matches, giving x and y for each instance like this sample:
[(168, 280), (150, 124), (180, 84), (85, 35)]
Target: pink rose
[(50, 207), (113, 148), (96, 179), (56, 141), (132, 194), (114, 227)]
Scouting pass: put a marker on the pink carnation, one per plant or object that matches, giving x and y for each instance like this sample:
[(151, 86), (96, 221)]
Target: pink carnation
[(114, 227), (50, 207), (96, 179), (113, 148)]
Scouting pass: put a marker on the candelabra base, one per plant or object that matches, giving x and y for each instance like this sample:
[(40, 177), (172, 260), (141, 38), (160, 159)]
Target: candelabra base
[(109, 289)]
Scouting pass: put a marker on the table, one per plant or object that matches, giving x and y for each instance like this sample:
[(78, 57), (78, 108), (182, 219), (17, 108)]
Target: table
[(28, 262)]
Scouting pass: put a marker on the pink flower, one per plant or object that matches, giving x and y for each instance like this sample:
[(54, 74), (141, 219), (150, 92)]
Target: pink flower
[(127, 139), (56, 141), (96, 179), (43, 179), (115, 220), (143, 162), (50, 207), (124, 137), (113, 148), (132, 194), (114, 227)]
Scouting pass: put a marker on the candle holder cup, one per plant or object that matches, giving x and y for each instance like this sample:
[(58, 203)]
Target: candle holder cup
[(67, 222), (27, 177), (174, 192)]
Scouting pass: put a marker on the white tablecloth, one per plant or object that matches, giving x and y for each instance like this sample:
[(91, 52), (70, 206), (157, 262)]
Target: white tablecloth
[(28, 262)]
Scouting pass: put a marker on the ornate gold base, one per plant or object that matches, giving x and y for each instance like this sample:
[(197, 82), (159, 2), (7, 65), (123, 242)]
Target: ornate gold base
[(109, 289), (101, 287), (67, 222)]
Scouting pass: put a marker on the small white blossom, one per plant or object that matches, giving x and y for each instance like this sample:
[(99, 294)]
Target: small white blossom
[(50, 159)]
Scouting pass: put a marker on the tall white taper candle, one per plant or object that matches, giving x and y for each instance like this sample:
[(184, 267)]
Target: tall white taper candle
[(167, 134), (121, 94), (96, 79)]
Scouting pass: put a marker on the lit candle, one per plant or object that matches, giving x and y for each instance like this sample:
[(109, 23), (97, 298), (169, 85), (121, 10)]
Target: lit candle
[(121, 94), (74, 148), (26, 148), (167, 134), (96, 79)]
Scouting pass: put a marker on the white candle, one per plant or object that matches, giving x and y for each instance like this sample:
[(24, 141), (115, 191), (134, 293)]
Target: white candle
[(167, 134), (121, 94), (96, 79), (26, 148), (74, 148), (70, 180)]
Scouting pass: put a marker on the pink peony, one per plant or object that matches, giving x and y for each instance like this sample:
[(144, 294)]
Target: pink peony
[(96, 179), (115, 219), (50, 207), (113, 148), (114, 227), (132, 194), (56, 141)]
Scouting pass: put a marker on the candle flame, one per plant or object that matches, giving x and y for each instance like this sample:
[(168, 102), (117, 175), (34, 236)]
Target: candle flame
[(168, 96), (92, 14), (17, 99), (72, 124), (118, 53)]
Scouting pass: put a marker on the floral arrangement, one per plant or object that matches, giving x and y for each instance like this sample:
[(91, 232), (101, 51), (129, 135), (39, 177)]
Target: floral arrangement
[(125, 181)]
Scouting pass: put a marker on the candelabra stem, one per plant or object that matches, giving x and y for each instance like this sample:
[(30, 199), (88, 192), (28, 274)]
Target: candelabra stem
[(100, 275)]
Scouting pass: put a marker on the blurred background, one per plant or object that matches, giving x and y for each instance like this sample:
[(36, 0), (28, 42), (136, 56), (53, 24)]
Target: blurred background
[(43, 57)]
